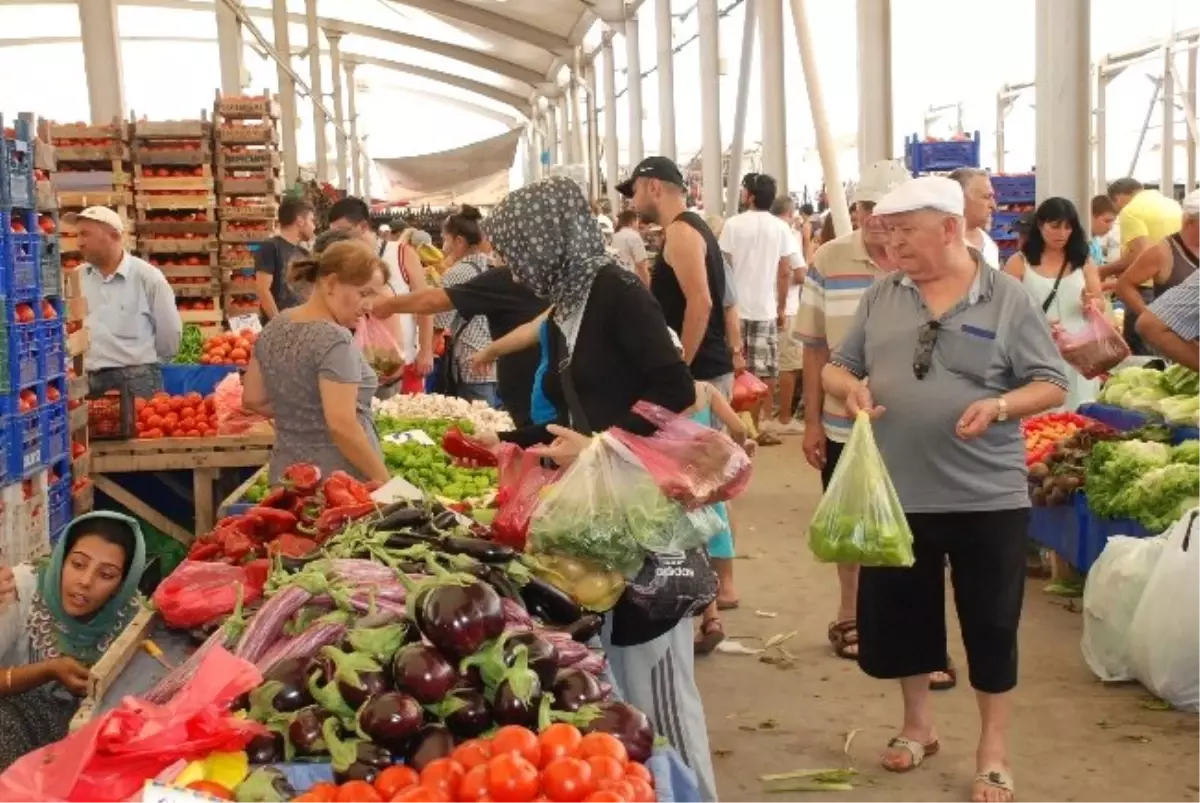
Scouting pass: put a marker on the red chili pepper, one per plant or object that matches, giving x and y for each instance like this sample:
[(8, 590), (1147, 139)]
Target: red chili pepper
[(464, 447), (291, 545), (280, 498), (336, 492), (273, 522), (237, 546), (201, 550), (335, 519), (302, 478)]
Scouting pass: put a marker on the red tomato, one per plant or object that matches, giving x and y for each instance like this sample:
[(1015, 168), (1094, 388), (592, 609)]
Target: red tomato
[(153, 433), (642, 791), (445, 774), (421, 794), (623, 788), (567, 780), (474, 783), (323, 792), (515, 739), (511, 778), (560, 740), (211, 789), (357, 792), (604, 796), (472, 753), (636, 770), (603, 744), (606, 768), (395, 779)]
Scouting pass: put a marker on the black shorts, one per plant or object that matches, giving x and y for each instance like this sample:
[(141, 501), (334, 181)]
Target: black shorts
[(833, 453), (902, 612)]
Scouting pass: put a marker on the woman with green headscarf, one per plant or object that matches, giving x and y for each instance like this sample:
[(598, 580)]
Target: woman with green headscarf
[(57, 621)]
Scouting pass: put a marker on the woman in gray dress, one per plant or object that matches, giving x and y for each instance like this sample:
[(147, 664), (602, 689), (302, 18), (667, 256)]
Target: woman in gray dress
[(307, 374)]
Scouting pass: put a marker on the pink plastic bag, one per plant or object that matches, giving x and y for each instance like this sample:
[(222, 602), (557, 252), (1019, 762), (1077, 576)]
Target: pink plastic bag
[(378, 346), (522, 479), (1095, 348), (691, 463), (199, 592), (112, 757), (232, 418), (748, 390)]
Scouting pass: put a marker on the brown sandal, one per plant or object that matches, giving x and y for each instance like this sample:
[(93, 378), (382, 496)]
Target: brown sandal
[(843, 636), (945, 685), (711, 634)]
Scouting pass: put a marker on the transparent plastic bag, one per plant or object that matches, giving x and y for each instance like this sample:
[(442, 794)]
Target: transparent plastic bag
[(693, 464), (748, 390), (522, 478), (379, 347), (1094, 349), (859, 519), (688, 529), (232, 418), (1110, 598), (603, 509)]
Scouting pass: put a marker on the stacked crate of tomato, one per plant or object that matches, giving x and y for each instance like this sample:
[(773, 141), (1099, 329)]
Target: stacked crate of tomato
[(182, 416), (249, 187), (176, 210)]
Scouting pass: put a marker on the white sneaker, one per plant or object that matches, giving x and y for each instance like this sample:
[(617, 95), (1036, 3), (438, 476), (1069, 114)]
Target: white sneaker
[(793, 427)]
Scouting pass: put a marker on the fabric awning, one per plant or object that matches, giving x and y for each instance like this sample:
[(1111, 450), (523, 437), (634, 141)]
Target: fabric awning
[(474, 174)]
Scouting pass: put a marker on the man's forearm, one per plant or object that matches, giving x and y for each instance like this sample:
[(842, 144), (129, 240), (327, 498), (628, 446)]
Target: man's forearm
[(783, 283), (837, 381), (815, 359), (642, 269), (1130, 295), (695, 319), (1036, 397), (733, 330), (1167, 343)]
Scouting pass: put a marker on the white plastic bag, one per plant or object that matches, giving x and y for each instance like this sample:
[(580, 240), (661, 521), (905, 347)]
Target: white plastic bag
[(1164, 637), (1114, 587)]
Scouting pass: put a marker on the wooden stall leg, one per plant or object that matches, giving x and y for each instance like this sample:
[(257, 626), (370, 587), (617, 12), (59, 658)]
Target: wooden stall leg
[(202, 492), (140, 508)]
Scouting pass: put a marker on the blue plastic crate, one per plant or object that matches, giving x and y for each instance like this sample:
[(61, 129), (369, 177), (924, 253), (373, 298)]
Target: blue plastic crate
[(3, 451), (10, 403), (940, 156), (58, 500), (51, 261), (24, 445), (52, 346), (1015, 189), (21, 255), (16, 165), (24, 356), (56, 435)]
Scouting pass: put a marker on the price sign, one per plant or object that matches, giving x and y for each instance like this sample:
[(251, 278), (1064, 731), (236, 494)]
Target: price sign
[(239, 322)]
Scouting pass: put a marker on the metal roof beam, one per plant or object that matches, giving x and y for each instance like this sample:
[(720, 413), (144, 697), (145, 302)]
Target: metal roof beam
[(491, 21), (499, 95)]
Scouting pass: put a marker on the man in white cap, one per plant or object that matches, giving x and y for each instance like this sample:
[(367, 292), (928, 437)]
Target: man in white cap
[(841, 272), (956, 354), (1165, 264), (132, 319)]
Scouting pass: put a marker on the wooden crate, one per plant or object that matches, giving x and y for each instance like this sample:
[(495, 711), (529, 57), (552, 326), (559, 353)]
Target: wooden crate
[(51, 131), (181, 228), (268, 187), (187, 271), (165, 454), (69, 243), (84, 499), (212, 317), (246, 107), (248, 159), (77, 419), (43, 191), (78, 342), (77, 389), (210, 290), (178, 245), (76, 309), (262, 134), (229, 235), (113, 153), (110, 666), (267, 210), (173, 129), (195, 200), (188, 184), (162, 155), (82, 199), (44, 157), (231, 259)]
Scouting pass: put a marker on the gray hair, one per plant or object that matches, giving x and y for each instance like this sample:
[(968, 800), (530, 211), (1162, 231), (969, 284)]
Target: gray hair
[(782, 205), (965, 175)]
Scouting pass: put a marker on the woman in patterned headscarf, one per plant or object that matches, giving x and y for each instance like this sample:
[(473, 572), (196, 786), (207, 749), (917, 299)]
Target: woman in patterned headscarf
[(57, 621), (612, 347)]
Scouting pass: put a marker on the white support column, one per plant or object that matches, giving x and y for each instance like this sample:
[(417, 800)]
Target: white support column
[(816, 102), (593, 133), (352, 113), (612, 156), (314, 72), (1193, 144), (232, 47), (666, 79), (1100, 121), (102, 59), (552, 132), (1167, 186), (287, 92), (530, 152), (737, 147), (578, 149), (774, 108), (875, 135), (710, 106), (566, 153), (1062, 66), (366, 169), (633, 89), (339, 120)]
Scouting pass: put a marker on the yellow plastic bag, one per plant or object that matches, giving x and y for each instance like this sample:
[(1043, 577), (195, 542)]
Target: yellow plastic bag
[(859, 519)]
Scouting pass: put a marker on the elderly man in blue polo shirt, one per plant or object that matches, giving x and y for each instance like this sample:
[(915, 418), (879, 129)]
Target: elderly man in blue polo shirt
[(955, 353), (132, 320)]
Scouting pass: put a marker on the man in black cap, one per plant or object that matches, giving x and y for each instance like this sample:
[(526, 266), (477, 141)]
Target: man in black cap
[(688, 279)]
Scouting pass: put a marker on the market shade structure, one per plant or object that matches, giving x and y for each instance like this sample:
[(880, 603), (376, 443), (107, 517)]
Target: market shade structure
[(474, 174)]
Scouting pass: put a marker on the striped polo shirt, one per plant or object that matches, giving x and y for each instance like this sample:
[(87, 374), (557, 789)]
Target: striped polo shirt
[(841, 272)]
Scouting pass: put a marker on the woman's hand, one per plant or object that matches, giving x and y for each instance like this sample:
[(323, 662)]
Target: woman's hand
[(71, 674), (568, 444), (860, 400), (977, 418), (482, 360)]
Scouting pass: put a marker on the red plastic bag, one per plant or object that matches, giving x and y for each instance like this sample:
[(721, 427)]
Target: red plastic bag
[(378, 346), (112, 757), (522, 478), (748, 390), (1095, 348), (198, 592), (232, 418), (691, 463)]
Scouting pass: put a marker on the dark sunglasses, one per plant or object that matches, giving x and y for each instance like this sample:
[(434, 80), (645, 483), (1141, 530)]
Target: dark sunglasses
[(923, 356)]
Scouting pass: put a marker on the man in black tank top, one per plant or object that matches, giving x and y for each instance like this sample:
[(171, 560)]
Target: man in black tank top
[(688, 280)]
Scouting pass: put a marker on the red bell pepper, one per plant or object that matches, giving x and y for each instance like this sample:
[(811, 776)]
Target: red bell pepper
[(302, 478), (335, 519), (336, 491), (292, 546), (280, 498), (456, 444), (238, 546), (273, 522), (204, 550)]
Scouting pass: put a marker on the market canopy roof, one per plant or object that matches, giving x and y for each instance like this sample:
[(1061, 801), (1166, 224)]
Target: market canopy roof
[(475, 174)]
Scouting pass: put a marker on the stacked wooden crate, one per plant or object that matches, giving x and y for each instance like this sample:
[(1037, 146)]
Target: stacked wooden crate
[(249, 187), (176, 212)]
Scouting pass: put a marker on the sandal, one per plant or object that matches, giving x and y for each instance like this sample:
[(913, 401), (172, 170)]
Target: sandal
[(843, 636), (996, 779), (949, 683), (728, 605), (711, 634), (919, 752)]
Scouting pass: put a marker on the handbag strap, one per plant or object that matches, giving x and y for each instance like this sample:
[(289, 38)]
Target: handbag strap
[(579, 419), (1057, 281)]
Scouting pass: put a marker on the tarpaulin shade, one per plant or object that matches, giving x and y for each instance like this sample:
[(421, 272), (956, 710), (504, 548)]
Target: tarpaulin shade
[(475, 174)]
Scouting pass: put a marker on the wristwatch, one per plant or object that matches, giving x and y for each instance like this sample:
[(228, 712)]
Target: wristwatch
[(1001, 409)]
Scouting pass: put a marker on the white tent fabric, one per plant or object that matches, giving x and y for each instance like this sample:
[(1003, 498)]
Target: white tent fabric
[(474, 174)]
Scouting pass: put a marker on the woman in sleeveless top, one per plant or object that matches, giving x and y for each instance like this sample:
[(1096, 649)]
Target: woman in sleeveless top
[(1055, 269)]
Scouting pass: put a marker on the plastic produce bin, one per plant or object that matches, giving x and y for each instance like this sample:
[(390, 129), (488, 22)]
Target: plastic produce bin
[(941, 155)]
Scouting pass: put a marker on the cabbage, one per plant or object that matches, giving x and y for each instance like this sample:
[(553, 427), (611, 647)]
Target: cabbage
[(1143, 399), (1180, 410), (1114, 465), (1186, 452), (1161, 496), (1178, 380)]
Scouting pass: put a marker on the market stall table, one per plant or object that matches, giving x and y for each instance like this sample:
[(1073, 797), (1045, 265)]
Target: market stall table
[(203, 457)]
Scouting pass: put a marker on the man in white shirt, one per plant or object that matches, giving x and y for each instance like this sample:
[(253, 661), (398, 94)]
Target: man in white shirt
[(630, 247), (979, 203), (762, 249), (791, 352)]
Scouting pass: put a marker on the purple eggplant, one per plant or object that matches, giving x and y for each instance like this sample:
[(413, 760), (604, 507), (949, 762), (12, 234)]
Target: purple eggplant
[(543, 657), (518, 696), (353, 759), (391, 719), (266, 749), (420, 670), (291, 672), (381, 643), (467, 713), (626, 723), (304, 732), (575, 688), (358, 675), (459, 615), (433, 742)]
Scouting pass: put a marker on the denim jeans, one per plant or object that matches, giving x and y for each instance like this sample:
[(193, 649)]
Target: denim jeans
[(480, 391)]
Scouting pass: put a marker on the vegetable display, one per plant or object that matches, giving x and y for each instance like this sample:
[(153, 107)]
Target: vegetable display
[(433, 405), (191, 345), (1056, 469), (431, 469), (1173, 394), (1147, 481), (1042, 432)]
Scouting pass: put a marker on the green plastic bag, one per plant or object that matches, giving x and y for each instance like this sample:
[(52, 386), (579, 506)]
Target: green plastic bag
[(859, 519)]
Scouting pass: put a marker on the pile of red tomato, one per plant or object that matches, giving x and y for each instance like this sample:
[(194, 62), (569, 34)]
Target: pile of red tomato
[(242, 304), (172, 172), (228, 348), (515, 764), (195, 304), (163, 416)]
